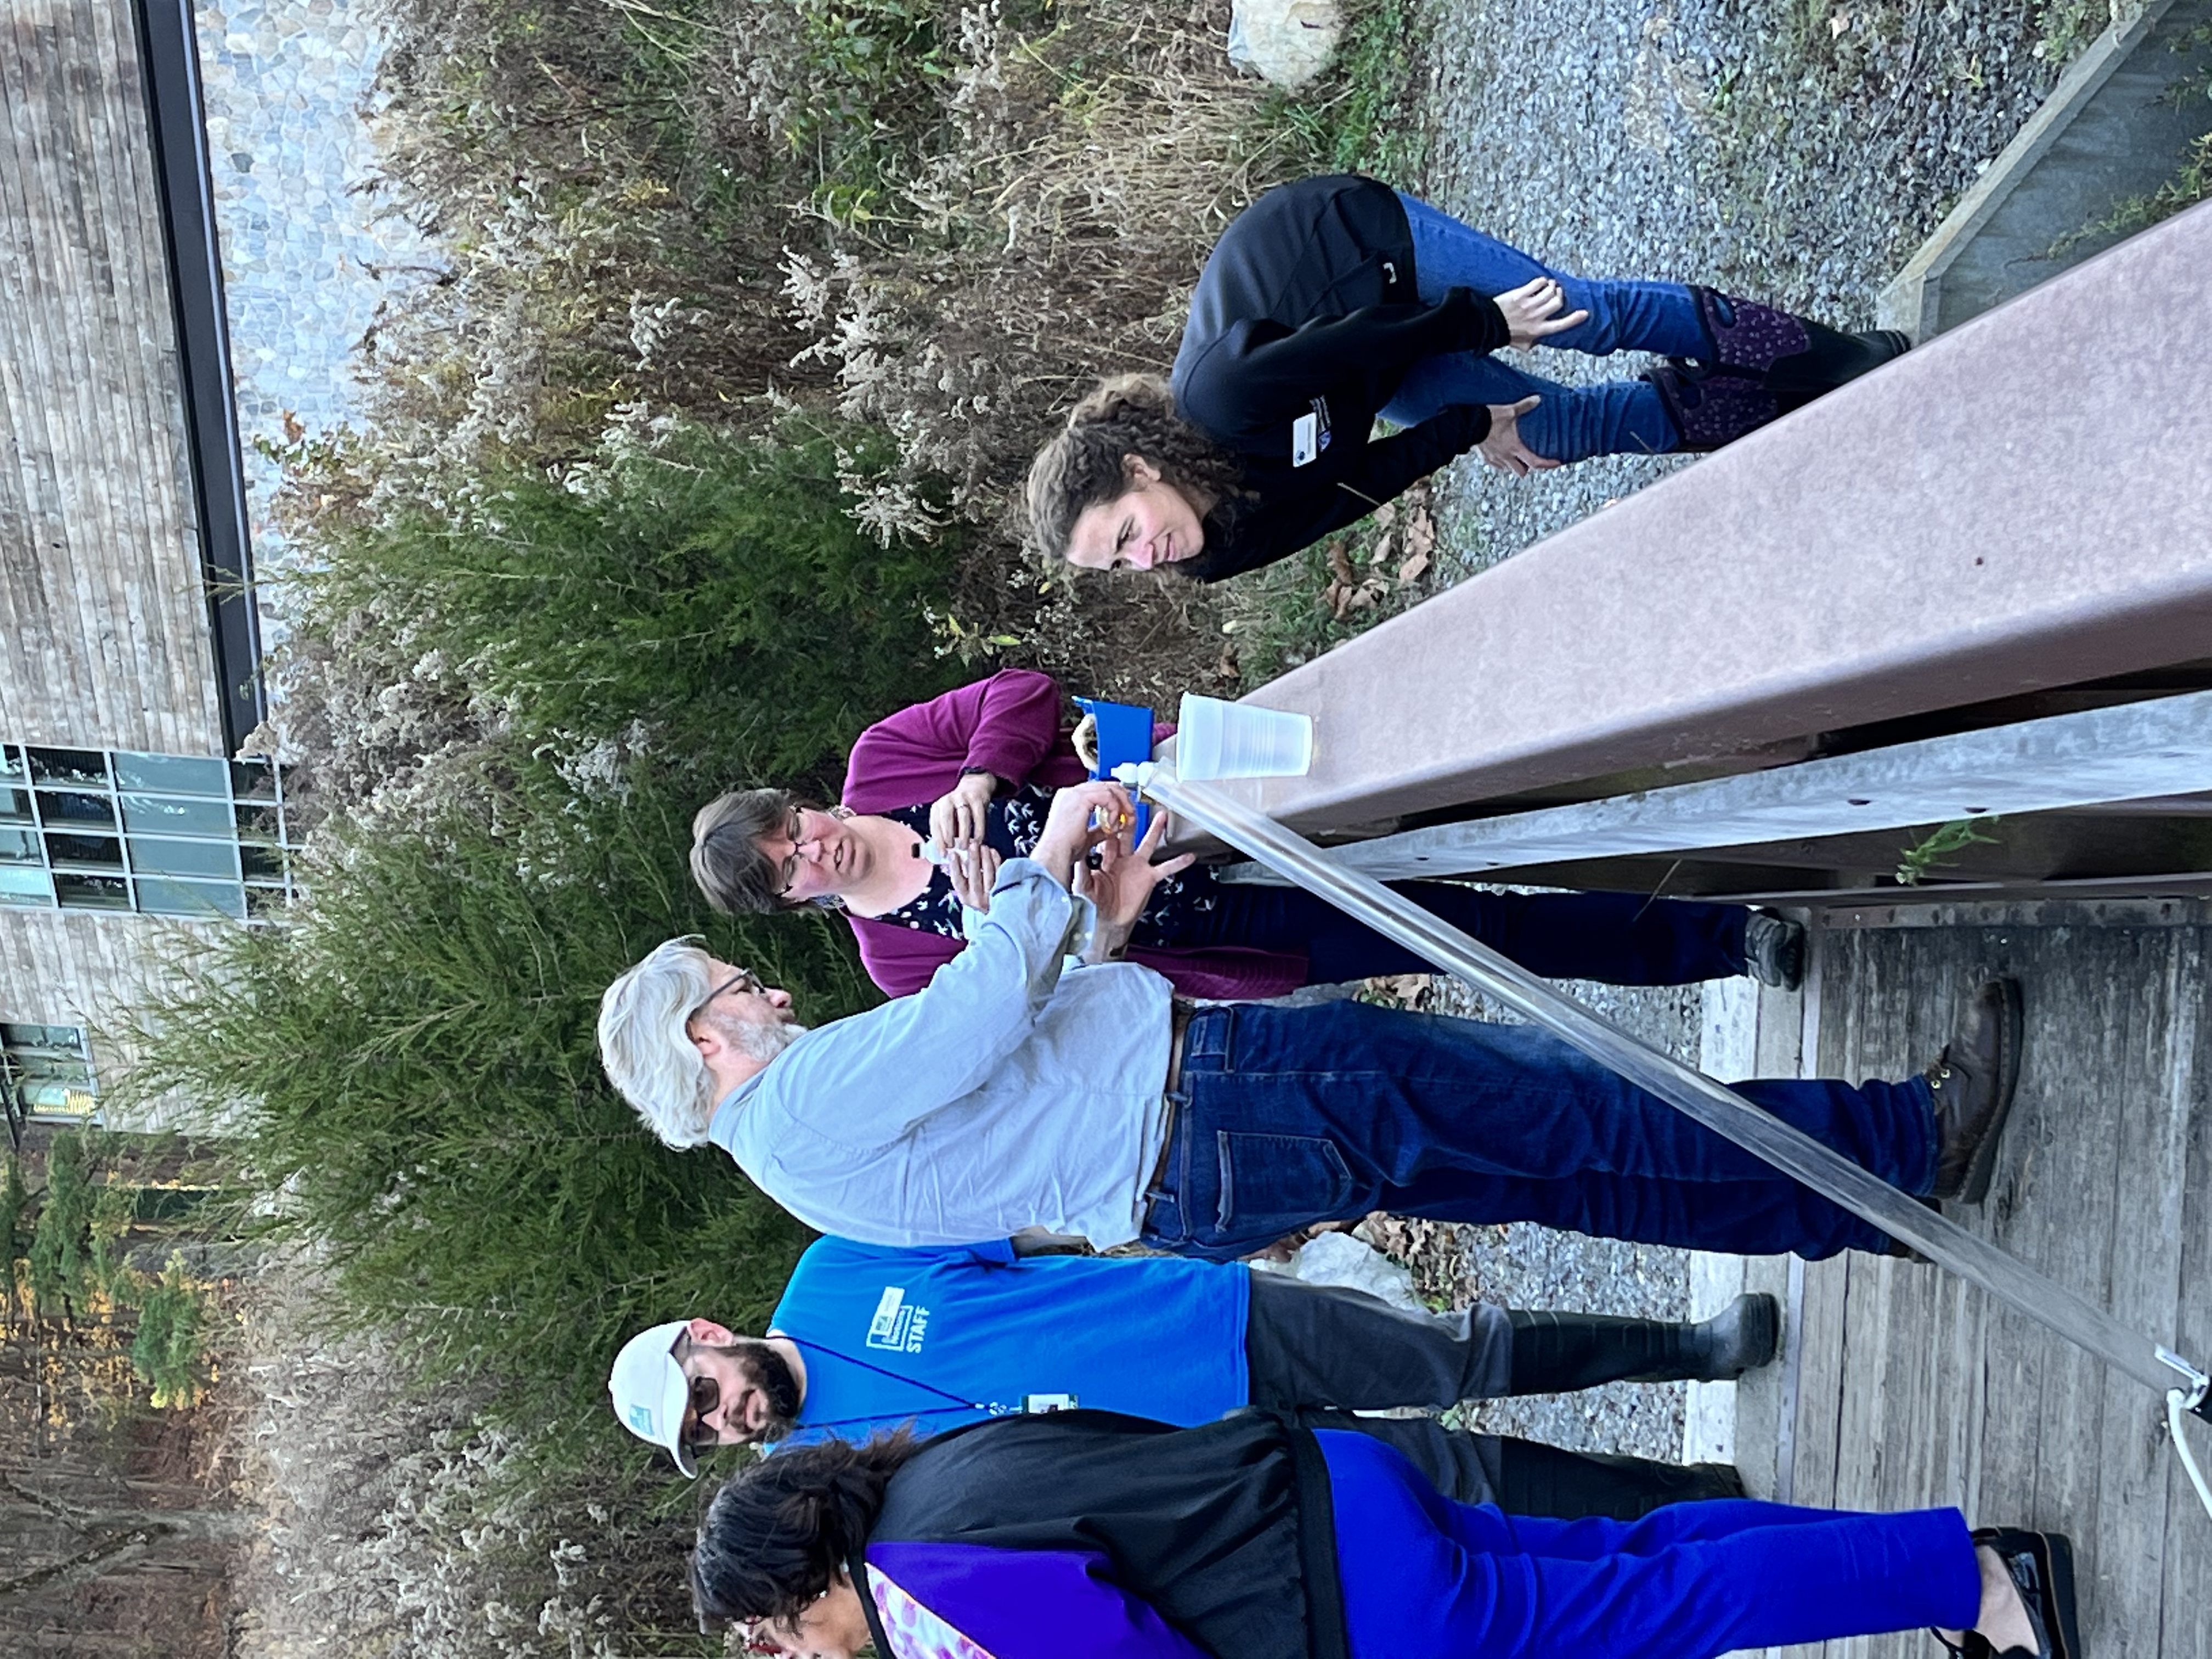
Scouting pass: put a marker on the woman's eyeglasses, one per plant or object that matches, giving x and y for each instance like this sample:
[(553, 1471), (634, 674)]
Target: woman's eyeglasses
[(787, 874)]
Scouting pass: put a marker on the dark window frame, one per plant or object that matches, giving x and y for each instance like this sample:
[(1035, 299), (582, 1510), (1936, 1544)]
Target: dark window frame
[(168, 51)]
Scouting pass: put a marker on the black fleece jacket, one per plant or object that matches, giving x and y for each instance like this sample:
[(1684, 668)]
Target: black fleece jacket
[(1304, 325), (1228, 1531)]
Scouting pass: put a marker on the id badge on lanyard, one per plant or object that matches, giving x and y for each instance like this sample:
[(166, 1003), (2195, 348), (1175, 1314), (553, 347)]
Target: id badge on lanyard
[(1038, 1404)]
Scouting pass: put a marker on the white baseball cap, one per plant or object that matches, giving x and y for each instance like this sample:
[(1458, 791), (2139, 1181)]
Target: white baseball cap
[(650, 1392)]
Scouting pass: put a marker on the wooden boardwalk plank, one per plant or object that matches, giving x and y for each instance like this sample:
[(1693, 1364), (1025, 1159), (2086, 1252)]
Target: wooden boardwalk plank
[(1915, 1388)]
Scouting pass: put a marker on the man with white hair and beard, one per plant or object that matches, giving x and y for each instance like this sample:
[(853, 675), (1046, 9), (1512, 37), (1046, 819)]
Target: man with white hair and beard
[(1016, 1092)]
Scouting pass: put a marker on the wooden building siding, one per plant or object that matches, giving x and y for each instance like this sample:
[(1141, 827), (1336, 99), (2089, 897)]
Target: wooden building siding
[(101, 599), (82, 967)]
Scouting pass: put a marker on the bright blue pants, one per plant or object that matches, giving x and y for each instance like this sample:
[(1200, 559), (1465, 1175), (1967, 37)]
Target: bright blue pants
[(1617, 417), (1287, 1116), (1426, 1578)]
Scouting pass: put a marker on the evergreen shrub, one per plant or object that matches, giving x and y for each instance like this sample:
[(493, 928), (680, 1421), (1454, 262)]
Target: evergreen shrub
[(699, 594), (410, 1065)]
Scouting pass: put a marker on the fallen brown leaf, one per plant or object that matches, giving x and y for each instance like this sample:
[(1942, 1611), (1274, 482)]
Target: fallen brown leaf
[(1385, 545), (1340, 561), (1411, 571), (1420, 531)]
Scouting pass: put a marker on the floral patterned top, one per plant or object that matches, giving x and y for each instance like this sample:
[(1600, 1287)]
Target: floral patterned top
[(916, 1632), (1013, 825)]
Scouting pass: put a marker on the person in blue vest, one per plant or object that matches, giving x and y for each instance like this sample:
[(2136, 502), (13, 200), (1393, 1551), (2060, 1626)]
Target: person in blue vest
[(869, 1338)]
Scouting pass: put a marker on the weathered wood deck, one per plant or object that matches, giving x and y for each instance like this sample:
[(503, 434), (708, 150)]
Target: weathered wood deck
[(1902, 1386)]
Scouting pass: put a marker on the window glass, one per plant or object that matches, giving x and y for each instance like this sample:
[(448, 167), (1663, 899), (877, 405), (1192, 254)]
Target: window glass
[(265, 903), (101, 852), (256, 823), (174, 835), (183, 858), (67, 1038), (45, 1066), (89, 892), (173, 774), (163, 896), (58, 1097), (21, 884), (177, 818), (261, 863), (254, 780), (56, 807), (80, 767)]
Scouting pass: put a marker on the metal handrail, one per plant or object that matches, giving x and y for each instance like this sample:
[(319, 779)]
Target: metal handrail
[(1703, 1098)]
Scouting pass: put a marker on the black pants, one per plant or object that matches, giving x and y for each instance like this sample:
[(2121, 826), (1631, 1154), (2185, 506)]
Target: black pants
[(1323, 1352), (1621, 938)]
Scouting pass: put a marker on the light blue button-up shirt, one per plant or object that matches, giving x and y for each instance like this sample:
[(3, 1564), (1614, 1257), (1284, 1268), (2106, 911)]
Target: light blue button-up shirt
[(1005, 1094)]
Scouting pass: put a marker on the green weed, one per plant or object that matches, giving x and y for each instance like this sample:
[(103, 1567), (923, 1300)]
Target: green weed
[(1932, 851), (1361, 114)]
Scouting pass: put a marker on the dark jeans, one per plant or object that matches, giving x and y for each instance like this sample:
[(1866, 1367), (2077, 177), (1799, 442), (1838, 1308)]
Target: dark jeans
[(1621, 938), (1287, 1116)]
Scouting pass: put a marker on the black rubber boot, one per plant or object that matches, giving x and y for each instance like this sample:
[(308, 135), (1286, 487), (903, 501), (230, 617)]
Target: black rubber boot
[(1761, 363), (1533, 1479), (1553, 1353)]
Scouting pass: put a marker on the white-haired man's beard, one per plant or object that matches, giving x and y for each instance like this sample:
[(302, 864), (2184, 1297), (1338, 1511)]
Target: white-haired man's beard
[(752, 1038)]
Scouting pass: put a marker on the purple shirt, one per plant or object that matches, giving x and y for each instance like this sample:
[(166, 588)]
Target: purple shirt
[(1008, 724)]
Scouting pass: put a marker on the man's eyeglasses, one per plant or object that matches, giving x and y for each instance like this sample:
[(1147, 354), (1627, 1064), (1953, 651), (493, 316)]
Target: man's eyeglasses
[(744, 980)]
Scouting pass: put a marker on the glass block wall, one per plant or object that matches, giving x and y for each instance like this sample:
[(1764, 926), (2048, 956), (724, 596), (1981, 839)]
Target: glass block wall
[(163, 835)]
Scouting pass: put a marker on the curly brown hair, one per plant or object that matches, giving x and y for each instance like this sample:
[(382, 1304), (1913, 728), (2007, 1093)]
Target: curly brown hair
[(1128, 415)]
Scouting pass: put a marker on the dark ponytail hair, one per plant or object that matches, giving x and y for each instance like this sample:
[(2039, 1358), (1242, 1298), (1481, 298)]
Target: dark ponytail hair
[(1128, 415), (777, 1535)]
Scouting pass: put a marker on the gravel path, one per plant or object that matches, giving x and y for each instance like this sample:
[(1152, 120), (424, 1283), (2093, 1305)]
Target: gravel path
[(1531, 1267), (1717, 141), (1697, 140)]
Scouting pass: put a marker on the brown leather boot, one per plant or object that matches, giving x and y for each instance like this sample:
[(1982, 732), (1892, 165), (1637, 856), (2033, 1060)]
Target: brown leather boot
[(1972, 1080)]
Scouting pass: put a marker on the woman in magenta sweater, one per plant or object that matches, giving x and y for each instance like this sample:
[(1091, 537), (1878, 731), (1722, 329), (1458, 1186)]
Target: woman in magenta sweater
[(978, 767)]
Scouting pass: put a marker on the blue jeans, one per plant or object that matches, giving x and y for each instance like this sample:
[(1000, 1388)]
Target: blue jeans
[(1424, 1577), (1619, 417), (1620, 939), (1287, 1116)]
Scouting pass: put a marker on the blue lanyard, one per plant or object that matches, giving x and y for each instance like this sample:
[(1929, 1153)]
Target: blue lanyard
[(989, 1407)]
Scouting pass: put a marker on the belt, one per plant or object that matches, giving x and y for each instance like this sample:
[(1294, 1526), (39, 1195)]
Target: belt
[(1179, 1016)]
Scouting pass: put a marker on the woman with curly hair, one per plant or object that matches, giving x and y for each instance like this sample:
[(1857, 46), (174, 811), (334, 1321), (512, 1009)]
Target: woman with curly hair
[(1085, 1535), (1336, 299)]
